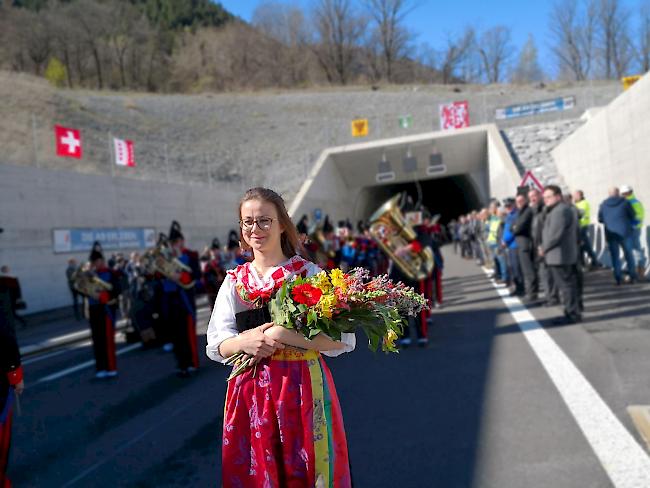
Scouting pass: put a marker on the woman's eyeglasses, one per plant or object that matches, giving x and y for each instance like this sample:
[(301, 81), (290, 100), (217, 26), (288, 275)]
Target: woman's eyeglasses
[(263, 223)]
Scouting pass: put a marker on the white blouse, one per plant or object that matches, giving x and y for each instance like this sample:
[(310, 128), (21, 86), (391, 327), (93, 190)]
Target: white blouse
[(222, 324)]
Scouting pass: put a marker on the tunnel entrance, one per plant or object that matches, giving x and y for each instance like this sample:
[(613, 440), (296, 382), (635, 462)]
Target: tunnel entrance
[(450, 173), (450, 196)]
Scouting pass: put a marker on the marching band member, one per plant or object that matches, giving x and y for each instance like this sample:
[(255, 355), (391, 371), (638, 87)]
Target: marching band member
[(180, 305), (214, 272), (101, 315), (11, 379)]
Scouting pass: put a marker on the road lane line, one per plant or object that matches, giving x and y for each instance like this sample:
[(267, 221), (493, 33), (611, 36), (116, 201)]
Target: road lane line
[(72, 337), (55, 353), (84, 365), (624, 460)]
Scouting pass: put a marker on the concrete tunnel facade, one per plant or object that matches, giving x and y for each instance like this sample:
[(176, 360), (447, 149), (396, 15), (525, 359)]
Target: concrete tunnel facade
[(453, 173)]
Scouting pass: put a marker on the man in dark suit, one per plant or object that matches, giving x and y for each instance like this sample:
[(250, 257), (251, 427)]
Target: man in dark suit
[(560, 251), (522, 229)]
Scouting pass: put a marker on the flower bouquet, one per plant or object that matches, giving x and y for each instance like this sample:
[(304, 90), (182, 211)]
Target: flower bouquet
[(333, 303)]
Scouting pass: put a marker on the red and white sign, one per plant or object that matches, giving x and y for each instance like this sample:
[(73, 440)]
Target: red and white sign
[(530, 181), (454, 115), (124, 155), (68, 142)]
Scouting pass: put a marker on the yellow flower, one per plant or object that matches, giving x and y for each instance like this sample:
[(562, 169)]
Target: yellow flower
[(338, 279), (322, 281), (326, 304), (390, 338)]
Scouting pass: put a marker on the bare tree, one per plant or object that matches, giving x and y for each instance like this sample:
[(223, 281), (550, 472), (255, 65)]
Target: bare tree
[(495, 49), (339, 29), (286, 25), (614, 44), (527, 69), (572, 27), (392, 35), (32, 34), (93, 19), (644, 37), (456, 51), (428, 58), (124, 21)]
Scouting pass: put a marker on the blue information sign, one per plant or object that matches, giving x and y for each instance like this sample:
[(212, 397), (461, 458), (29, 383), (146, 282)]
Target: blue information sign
[(534, 108), (76, 240)]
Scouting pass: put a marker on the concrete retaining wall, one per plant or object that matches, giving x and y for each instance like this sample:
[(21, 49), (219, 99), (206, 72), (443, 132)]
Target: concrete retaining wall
[(611, 149), (36, 201)]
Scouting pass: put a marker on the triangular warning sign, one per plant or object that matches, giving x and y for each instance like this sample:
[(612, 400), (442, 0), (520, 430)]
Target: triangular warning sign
[(530, 181)]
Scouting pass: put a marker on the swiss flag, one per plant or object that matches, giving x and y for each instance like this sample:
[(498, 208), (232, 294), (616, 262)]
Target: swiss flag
[(68, 142), (124, 155)]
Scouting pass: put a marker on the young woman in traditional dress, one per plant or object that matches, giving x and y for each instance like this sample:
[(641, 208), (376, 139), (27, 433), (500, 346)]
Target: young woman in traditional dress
[(282, 426)]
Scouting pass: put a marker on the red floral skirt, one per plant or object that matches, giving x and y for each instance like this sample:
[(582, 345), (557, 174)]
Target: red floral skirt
[(283, 426)]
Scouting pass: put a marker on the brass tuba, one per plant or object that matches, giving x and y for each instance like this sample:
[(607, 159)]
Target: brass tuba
[(393, 233), (162, 259), (86, 282)]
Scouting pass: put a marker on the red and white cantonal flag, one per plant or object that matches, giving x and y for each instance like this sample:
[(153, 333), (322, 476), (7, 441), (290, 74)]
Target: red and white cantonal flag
[(124, 155), (454, 115), (68, 142)]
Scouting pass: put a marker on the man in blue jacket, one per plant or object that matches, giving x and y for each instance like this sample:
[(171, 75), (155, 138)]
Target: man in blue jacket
[(510, 245), (618, 216)]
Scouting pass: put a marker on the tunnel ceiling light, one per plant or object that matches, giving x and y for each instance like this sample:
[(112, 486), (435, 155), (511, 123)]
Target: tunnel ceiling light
[(410, 163), (436, 166), (385, 171)]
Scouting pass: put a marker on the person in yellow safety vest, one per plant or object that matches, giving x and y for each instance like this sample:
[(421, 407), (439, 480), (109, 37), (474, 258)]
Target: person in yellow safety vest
[(492, 226), (639, 214), (584, 211)]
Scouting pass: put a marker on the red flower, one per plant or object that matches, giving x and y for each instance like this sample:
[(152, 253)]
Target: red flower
[(306, 294), (263, 295)]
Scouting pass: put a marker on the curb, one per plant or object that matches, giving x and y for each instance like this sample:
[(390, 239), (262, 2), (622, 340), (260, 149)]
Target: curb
[(80, 335)]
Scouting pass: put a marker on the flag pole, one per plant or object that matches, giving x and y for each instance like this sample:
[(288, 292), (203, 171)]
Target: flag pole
[(111, 156), (34, 141)]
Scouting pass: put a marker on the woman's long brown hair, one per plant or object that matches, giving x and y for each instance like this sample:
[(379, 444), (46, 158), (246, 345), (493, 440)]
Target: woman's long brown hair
[(289, 238)]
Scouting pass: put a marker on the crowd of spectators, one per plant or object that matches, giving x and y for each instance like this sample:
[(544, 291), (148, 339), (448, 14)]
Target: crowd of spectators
[(540, 243)]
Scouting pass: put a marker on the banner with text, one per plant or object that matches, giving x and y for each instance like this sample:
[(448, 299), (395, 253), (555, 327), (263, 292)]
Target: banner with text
[(535, 108), (77, 240)]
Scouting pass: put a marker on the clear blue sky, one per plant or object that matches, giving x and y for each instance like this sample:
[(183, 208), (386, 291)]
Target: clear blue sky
[(432, 20)]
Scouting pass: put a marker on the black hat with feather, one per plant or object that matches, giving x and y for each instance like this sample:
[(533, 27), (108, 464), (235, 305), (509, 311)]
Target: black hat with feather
[(175, 232), (96, 252)]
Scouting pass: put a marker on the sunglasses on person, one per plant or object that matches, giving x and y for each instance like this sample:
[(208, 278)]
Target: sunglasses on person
[(263, 223)]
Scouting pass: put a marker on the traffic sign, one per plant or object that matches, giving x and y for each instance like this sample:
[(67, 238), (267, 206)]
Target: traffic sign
[(530, 181), (359, 128)]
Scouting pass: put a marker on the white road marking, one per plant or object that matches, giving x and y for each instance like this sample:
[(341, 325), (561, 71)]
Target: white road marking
[(624, 460), (84, 365), (55, 353), (72, 337)]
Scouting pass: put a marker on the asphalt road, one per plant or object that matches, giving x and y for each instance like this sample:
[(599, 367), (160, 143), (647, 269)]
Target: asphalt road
[(476, 408)]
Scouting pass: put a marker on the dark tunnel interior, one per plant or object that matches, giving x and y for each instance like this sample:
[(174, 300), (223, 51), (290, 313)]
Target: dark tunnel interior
[(450, 196)]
